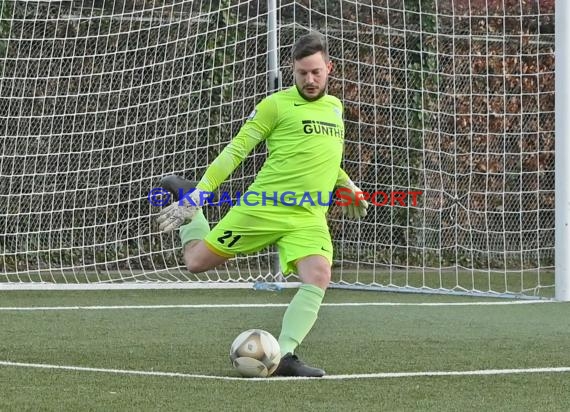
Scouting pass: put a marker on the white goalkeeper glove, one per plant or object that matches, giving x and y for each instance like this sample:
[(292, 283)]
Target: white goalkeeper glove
[(179, 213), (355, 204)]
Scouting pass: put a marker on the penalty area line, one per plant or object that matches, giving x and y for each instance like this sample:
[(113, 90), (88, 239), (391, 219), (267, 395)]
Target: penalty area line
[(385, 375), (272, 305)]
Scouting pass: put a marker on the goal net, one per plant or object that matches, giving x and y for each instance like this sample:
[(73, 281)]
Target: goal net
[(453, 100)]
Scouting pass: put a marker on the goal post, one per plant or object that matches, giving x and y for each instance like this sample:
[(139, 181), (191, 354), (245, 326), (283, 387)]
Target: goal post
[(562, 286), (450, 117)]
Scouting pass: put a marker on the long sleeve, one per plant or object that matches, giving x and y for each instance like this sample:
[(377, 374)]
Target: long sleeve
[(258, 126), (342, 178)]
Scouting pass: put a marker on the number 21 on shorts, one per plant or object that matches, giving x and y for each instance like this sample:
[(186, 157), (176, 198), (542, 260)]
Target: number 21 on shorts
[(228, 234)]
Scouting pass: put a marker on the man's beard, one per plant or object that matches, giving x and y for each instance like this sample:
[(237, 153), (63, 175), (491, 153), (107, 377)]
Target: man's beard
[(311, 99)]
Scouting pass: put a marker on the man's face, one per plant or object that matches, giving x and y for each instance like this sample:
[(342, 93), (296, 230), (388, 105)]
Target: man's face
[(311, 75)]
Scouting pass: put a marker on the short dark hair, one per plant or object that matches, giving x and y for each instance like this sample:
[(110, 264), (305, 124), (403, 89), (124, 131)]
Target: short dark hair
[(310, 44)]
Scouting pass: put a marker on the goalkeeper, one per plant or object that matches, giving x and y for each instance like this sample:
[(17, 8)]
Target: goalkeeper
[(304, 131)]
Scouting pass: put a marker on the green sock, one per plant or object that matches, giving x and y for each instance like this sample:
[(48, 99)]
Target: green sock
[(197, 229), (300, 316)]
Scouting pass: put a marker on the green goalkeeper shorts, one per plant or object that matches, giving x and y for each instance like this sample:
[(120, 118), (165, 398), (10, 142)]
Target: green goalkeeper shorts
[(245, 230)]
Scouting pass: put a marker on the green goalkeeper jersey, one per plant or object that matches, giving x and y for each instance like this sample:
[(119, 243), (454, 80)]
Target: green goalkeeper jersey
[(305, 142)]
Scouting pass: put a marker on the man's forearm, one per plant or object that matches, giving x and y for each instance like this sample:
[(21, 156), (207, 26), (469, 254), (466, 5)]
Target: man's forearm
[(227, 161)]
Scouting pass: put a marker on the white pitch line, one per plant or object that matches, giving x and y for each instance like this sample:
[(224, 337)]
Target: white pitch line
[(385, 375), (270, 305)]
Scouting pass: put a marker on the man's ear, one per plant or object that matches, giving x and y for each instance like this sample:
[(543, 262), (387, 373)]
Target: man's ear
[(329, 66)]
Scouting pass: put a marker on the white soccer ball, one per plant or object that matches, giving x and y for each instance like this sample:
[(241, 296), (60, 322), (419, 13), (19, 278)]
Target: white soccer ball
[(255, 353)]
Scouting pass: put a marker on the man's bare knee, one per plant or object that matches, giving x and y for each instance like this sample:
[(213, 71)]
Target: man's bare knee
[(321, 276), (315, 270), (195, 266), (190, 258), (199, 259)]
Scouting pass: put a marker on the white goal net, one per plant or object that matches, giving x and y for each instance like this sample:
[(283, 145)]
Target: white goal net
[(453, 100)]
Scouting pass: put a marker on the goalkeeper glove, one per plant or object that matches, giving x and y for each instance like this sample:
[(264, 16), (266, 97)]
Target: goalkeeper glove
[(179, 213), (357, 205)]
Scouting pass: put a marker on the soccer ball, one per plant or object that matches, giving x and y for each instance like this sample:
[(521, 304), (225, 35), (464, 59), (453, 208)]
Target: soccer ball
[(255, 353)]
